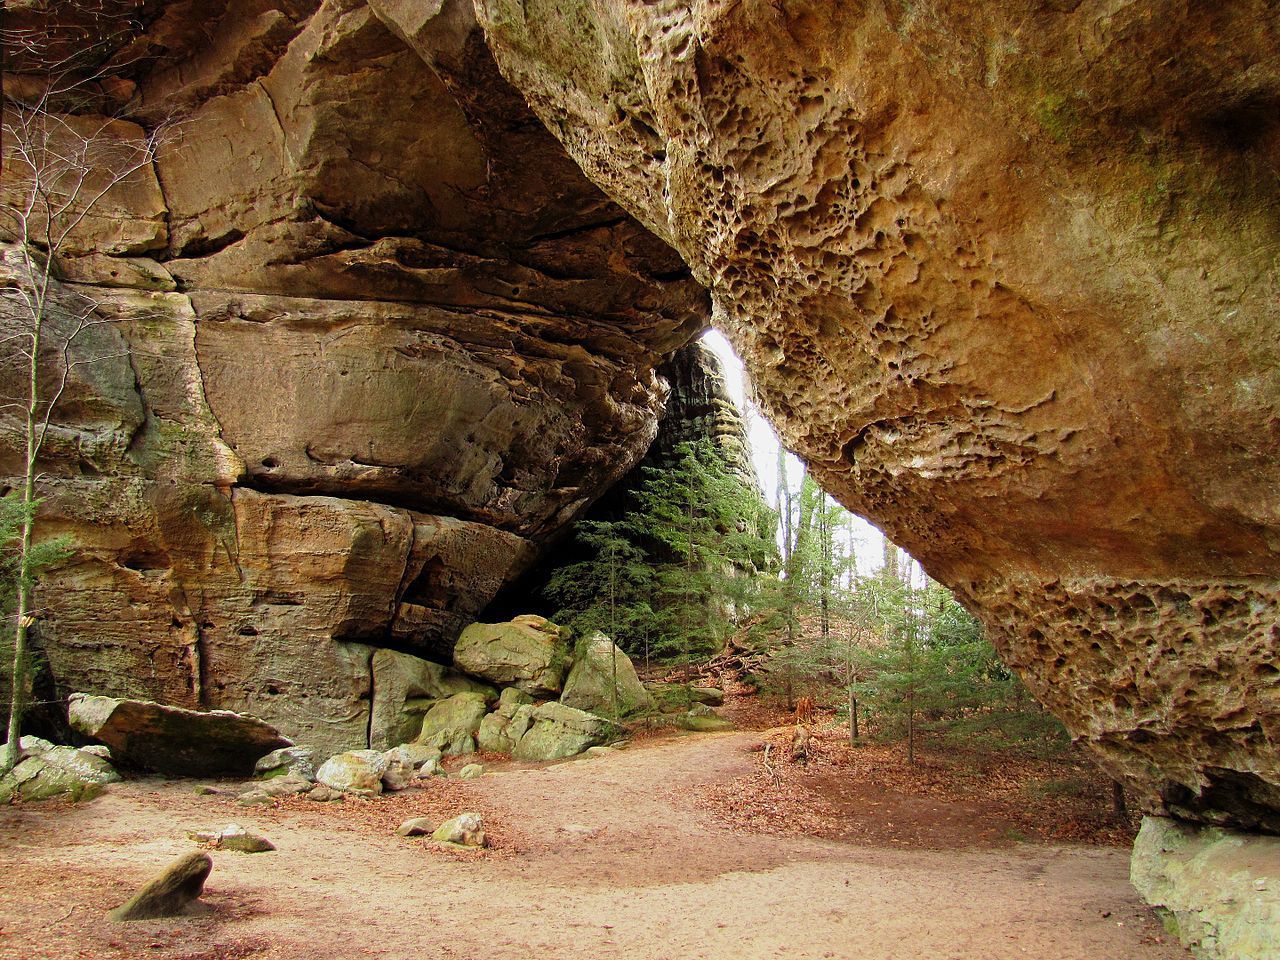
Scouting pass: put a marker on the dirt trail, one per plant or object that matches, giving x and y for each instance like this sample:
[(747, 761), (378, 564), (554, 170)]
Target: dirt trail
[(609, 860)]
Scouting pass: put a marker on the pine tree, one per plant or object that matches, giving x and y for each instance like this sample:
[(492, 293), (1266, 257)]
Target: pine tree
[(674, 571)]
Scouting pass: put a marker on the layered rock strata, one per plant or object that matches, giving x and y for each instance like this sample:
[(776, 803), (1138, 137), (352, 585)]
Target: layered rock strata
[(1004, 275), (376, 338)]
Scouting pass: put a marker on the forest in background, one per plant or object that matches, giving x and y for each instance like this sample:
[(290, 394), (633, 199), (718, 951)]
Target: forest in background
[(696, 567)]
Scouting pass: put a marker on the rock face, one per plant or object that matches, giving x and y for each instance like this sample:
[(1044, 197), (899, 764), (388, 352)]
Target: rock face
[(699, 407), (1219, 890), (451, 725), (603, 680), (1003, 276), (377, 339), (529, 653), (184, 743)]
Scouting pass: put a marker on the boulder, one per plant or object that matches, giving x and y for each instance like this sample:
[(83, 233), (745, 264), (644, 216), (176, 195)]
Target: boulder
[(412, 755), (357, 771), (510, 699), (30, 746), (232, 837), (432, 768), (529, 653), (399, 775), (174, 741), (256, 797), (322, 794), (602, 680), (702, 722), (404, 688), (1218, 889), (711, 696), (472, 771), (466, 829), (416, 827), (57, 772), (501, 730), (671, 697), (171, 893), (286, 760), (451, 725), (558, 731), (283, 786)]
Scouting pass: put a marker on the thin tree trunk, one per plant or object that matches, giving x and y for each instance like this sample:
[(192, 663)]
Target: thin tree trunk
[(18, 698)]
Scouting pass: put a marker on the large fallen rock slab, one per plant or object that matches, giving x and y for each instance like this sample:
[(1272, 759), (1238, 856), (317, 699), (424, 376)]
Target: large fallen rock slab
[(1218, 889), (174, 741), (57, 772), (171, 893), (603, 680), (529, 652), (557, 731)]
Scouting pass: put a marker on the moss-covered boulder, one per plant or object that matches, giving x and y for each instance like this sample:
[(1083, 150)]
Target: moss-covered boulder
[(700, 722), (529, 652), (452, 724), (558, 731), (287, 760), (603, 680), (174, 741), (501, 730), (57, 772), (1218, 889), (405, 687), (171, 893)]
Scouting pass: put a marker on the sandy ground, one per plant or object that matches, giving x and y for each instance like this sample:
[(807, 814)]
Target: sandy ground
[(596, 859)]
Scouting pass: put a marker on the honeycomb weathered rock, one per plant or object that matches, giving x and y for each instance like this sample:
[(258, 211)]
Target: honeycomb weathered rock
[(1005, 276)]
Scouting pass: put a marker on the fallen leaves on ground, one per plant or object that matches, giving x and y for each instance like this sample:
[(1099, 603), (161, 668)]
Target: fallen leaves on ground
[(870, 794)]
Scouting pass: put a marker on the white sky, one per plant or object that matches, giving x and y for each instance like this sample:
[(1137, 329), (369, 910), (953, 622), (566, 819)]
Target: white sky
[(868, 542)]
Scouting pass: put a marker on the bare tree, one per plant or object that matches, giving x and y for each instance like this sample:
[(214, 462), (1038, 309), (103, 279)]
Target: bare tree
[(66, 152)]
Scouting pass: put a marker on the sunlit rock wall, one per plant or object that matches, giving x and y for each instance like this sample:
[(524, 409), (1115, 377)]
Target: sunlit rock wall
[(1005, 276), (377, 338)]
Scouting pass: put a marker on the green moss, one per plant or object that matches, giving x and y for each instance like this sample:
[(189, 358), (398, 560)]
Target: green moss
[(1057, 116)]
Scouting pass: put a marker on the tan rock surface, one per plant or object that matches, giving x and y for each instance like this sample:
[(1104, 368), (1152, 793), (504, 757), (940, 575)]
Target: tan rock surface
[(1005, 276), (377, 338)]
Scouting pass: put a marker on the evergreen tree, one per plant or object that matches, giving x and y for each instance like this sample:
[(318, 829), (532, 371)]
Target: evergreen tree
[(673, 573)]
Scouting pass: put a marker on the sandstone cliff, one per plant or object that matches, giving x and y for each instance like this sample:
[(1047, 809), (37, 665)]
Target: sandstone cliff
[(377, 338), (1005, 276)]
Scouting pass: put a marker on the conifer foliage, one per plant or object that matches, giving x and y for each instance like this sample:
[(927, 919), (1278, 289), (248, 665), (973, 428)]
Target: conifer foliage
[(670, 576)]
